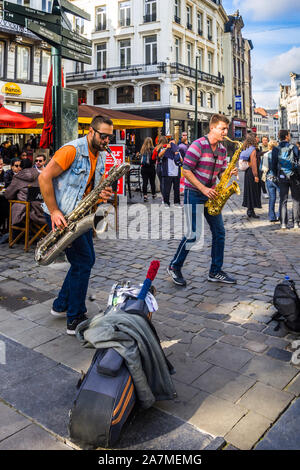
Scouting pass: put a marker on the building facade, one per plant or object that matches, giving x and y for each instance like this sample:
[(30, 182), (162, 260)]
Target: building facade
[(266, 123), (25, 63), (237, 75), (144, 60), (289, 106)]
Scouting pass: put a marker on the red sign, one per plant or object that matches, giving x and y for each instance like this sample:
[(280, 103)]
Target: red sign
[(119, 154), (253, 129)]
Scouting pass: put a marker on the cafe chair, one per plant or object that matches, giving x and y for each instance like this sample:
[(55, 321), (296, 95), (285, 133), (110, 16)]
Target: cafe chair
[(28, 227)]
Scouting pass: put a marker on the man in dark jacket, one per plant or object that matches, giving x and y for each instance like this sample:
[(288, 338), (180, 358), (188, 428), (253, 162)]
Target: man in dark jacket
[(285, 161), (171, 161), (15, 167)]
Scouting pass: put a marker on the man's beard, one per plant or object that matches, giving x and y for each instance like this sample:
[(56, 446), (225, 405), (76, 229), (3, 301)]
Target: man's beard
[(99, 147)]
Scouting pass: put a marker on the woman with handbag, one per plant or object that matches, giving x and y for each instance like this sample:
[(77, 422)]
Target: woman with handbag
[(148, 168), (252, 189)]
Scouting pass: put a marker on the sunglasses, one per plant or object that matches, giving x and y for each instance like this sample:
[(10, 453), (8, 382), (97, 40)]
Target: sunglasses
[(40, 161), (103, 136), (18, 166)]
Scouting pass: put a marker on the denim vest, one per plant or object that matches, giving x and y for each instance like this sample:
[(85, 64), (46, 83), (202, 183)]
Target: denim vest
[(69, 187)]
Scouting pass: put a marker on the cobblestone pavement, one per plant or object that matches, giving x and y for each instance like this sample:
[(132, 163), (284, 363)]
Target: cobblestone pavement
[(234, 374)]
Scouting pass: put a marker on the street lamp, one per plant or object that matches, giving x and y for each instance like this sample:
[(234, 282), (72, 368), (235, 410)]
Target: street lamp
[(196, 100)]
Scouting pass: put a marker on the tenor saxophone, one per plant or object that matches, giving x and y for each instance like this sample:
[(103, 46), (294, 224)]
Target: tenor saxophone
[(215, 206), (79, 221)]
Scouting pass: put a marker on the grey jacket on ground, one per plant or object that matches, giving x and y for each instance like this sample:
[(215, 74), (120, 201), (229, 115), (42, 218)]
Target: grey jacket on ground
[(132, 337)]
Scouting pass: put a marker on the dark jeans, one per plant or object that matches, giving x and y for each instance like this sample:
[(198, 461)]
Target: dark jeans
[(215, 222), (148, 175), (284, 186), (167, 182), (273, 189), (73, 292)]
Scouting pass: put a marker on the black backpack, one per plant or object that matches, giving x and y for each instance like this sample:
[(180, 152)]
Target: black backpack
[(287, 303)]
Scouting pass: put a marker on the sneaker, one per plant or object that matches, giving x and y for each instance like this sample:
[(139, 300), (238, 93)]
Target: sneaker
[(145, 198), (176, 276), (283, 226), (154, 196), (297, 226), (58, 314), (72, 325), (221, 277), (179, 206), (266, 196), (166, 206)]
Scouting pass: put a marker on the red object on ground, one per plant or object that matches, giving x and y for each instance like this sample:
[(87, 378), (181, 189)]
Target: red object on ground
[(47, 134), (153, 268), (10, 119)]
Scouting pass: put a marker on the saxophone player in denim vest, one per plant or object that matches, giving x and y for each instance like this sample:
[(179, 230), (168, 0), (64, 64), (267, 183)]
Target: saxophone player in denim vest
[(70, 175)]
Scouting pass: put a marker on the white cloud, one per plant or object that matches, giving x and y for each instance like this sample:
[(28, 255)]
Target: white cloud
[(280, 66), (262, 10)]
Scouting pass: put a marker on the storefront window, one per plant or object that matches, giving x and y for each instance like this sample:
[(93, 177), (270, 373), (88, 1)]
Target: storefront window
[(125, 94), (23, 63), (101, 96), (151, 93), (45, 66)]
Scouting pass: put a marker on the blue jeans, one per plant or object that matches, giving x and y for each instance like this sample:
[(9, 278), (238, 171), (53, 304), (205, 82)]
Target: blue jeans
[(215, 222), (72, 295), (272, 190)]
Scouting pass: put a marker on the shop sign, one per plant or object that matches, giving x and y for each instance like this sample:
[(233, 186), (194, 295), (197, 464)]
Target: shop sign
[(11, 89), (238, 102), (118, 152)]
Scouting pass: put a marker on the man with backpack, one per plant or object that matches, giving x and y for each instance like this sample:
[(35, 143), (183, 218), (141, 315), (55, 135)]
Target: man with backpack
[(285, 164)]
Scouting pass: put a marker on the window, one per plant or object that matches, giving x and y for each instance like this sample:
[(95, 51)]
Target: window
[(101, 53), (79, 25), (125, 53), (125, 14), (23, 63), (210, 100), (101, 96), (189, 17), (189, 54), (100, 18), (151, 50), (210, 62), (125, 94), (209, 29), (150, 11), (201, 98), (82, 96), (177, 50), (79, 67), (2, 52), (189, 96), (151, 93), (46, 5), (177, 11), (200, 59), (199, 23), (177, 93), (45, 66)]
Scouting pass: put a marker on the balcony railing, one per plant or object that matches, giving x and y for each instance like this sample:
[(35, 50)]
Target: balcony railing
[(189, 26), (191, 72), (177, 19), (209, 37), (118, 72), (149, 18), (100, 27), (200, 32)]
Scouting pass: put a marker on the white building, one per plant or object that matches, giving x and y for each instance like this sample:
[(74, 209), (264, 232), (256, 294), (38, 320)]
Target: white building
[(266, 123), (289, 104), (144, 60)]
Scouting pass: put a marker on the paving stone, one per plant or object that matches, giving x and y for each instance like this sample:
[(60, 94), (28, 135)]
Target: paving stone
[(266, 400), (294, 386), (269, 371), (248, 430), (199, 344), (234, 330), (209, 333), (224, 383), (253, 326), (11, 421), (227, 356), (35, 336), (280, 354), (33, 437), (233, 340), (284, 435), (255, 336), (255, 346), (187, 368)]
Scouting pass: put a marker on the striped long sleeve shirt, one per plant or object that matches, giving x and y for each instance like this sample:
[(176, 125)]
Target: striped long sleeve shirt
[(204, 163)]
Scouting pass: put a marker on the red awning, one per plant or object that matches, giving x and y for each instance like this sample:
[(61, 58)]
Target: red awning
[(14, 120)]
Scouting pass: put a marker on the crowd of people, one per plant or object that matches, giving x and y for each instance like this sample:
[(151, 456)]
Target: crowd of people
[(19, 170), (271, 170)]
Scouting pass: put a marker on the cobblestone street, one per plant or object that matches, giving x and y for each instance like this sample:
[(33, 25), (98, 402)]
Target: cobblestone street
[(234, 375)]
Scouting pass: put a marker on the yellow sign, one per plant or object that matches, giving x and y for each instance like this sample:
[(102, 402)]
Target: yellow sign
[(11, 89)]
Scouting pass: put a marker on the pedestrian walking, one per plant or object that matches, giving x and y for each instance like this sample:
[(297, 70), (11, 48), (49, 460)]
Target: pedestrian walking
[(285, 164), (161, 142), (271, 181), (170, 164), (252, 190), (148, 168), (204, 161), (261, 150)]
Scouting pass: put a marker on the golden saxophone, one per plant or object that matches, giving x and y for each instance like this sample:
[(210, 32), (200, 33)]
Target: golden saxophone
[(79, 221), (214, 206)]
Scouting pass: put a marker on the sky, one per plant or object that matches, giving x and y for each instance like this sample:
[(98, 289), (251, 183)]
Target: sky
[(274, 28)]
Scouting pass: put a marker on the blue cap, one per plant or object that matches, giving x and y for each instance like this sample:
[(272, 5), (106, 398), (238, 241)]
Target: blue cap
[(287, 277)]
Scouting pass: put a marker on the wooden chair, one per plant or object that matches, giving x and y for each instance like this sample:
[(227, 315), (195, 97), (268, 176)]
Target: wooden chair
[(28, 226)]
